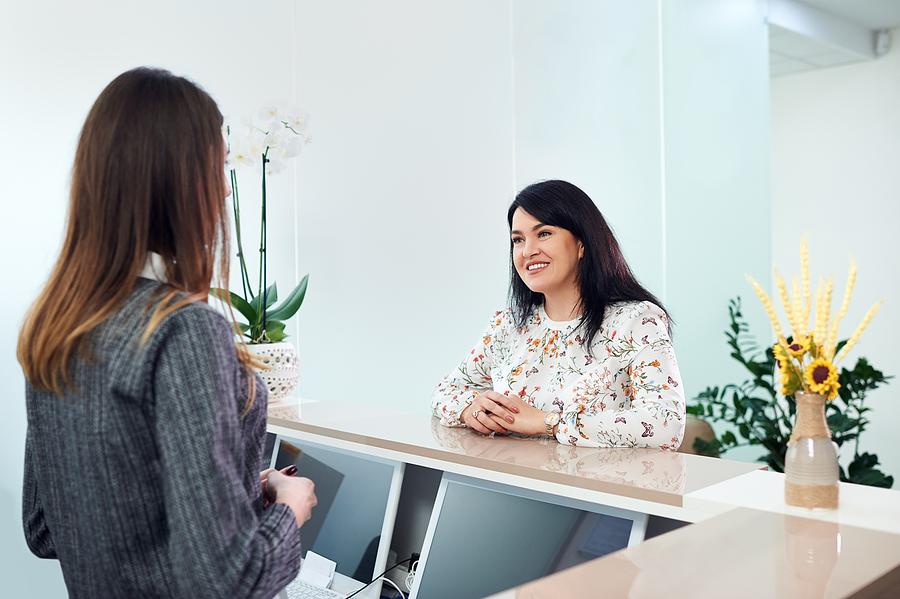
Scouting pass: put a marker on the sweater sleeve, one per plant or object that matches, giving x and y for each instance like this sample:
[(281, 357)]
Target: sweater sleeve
[(218, 544), (654, 412), (37, 534), (471, 377)]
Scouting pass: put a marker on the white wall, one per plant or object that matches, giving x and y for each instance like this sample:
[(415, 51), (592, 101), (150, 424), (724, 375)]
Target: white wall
[(835, 180), (716, 200), (587, 95), (55, 57), (403, 192)]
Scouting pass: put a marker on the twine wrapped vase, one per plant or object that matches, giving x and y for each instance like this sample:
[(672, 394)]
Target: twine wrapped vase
[(811, 464), (283, 368)]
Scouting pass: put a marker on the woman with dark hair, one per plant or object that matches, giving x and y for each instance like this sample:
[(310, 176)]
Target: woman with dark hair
[(583, 353), (146, 422)]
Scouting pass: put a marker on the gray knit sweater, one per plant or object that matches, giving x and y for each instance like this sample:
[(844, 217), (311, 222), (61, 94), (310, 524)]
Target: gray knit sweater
[(143, 481)]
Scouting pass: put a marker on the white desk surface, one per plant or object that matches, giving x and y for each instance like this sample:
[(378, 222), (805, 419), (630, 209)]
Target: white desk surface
[(859, 505), (645, 480)]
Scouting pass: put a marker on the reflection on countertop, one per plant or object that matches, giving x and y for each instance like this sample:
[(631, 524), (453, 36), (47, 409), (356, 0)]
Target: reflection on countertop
[(646, 474), (645, 468), (743, 553)]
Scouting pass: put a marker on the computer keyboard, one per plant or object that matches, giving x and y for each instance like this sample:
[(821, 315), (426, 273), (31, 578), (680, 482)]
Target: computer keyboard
[(299, 589)]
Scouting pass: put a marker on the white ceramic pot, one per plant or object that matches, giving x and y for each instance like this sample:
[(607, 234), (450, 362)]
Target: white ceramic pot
[(283, 370)]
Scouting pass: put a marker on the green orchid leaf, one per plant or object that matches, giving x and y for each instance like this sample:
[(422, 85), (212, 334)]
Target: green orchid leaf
[(246, 310), (271, 297), (275, 330), (292, 303)]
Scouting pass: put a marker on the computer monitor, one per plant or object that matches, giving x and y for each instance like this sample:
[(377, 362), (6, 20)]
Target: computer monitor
[(357, 504), (485, 537)]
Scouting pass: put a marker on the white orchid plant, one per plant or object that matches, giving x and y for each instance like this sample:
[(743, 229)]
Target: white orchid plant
[(263, 145)]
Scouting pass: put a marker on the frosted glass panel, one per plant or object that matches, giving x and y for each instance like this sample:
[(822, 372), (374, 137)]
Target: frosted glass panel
[(716, 205), (587, 110)]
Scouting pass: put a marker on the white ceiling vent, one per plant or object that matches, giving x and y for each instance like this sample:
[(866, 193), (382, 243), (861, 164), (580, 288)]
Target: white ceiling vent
[(814, 34)]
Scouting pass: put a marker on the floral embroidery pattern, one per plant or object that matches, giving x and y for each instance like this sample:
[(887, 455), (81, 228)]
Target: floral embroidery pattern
[(626, 392)]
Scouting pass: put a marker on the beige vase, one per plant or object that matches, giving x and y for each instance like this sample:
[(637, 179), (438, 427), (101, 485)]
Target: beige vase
[(283, 368), (811, 478)]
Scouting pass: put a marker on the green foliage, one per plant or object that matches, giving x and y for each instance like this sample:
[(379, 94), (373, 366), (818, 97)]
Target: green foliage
[(761, 416), (265, 326)]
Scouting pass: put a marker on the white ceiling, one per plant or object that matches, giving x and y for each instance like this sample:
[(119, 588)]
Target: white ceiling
[(874, 14), (791, 52)]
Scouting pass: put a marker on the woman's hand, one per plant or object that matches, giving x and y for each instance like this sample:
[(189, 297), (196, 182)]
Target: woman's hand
[(296, 493), (529, 420), (490, 412), (264, 482)]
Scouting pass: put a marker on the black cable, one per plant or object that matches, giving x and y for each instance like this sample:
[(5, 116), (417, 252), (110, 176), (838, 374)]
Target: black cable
[(377, 578)]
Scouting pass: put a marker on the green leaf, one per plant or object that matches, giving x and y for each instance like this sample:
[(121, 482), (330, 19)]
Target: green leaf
[(237, 301), (275, 330), (709, 448), (271, 297), (292, 303), (695, 409), (872, 477)]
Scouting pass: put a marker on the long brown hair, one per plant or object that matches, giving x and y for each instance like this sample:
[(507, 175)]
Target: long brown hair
[(149, 176)]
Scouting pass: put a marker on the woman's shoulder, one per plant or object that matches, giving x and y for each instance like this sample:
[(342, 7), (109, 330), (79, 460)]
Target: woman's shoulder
[(635, 313), (150, 305), (507, 320), (502, 318)]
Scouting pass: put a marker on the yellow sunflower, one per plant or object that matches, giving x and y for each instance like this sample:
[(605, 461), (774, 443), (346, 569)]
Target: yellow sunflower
[(781, 357), (822, 378), (790, 382), (799, 346)]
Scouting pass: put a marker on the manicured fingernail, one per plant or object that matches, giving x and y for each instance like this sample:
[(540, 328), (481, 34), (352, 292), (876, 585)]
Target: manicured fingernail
[(509, 419), (516, 410), (290, 470)]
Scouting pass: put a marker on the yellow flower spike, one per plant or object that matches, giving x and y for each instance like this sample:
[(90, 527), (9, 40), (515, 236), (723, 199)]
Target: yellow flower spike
[(804, 273), (767, 305), (829, 287), (859, 331), (831, 342), (819, 330), (785, 300), (821, 377), (797, 309)]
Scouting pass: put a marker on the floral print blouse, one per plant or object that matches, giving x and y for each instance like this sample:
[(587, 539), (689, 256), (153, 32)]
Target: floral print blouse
[(626, 392)]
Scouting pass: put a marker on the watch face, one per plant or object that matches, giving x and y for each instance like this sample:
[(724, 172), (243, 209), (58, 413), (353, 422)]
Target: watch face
[(552, 418)]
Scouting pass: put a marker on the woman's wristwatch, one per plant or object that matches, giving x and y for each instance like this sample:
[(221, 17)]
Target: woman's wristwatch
[(550, 421), (468, 403)]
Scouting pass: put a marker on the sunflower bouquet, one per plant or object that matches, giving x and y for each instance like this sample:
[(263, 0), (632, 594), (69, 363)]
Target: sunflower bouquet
[(807, 360)]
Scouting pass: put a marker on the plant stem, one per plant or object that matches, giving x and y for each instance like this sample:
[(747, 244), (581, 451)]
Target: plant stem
[(262, 251), (859, 434), (236, 203)]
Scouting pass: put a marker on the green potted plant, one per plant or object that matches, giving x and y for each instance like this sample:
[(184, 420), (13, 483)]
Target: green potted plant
[(758, 415), (265, 146)]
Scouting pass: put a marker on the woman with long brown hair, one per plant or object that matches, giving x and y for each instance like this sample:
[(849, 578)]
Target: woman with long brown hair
[(145, 420)]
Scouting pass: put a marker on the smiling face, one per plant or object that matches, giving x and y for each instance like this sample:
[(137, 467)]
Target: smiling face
[(546, 257)]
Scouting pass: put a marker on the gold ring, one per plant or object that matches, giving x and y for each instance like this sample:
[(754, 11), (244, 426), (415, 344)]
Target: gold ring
[(475, 414)]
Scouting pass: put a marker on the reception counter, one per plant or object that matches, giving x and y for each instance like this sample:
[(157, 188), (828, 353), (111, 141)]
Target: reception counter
[(646, 480), (743, 541), (742, 553)]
